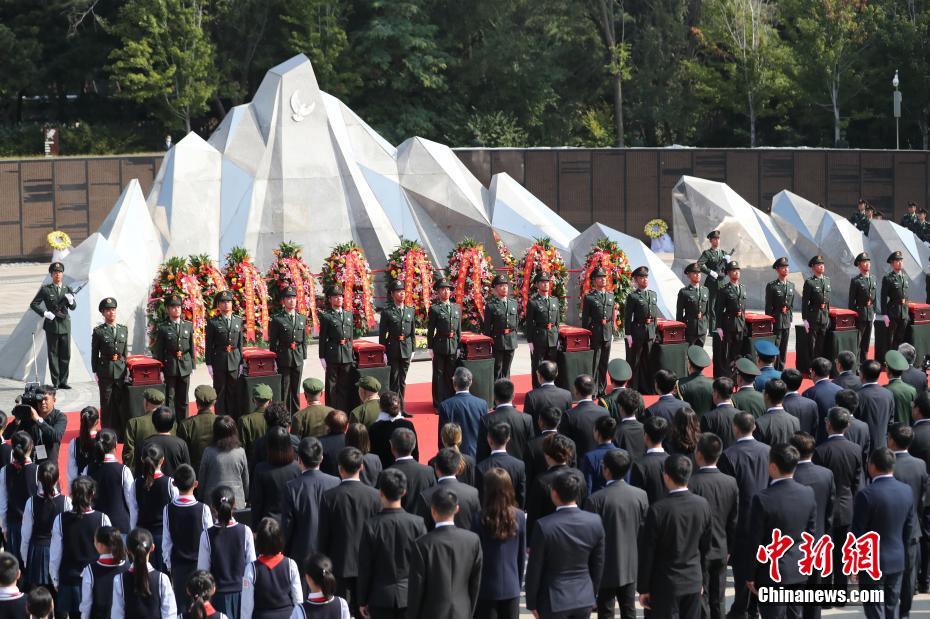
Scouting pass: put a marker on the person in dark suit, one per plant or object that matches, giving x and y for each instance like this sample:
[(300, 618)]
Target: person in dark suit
[(333, 442), (558, 450), (344, 512), (566, 555), (823, 392), (175, 450), (886, 507), (722, 495), (269, 484), (498, 437), (578, 423), (913, 376), (445, 566), (630, 433), (789, 507), (746, 460), (648, 470), (535, 458), (913, 472), (521, 425), (803, 409), (674, 546), (464, 409), (920, 448), (668, 403), (775, 426), (447, 464), (844, 459), (604, 430), (845, 377), (858, 430), (390, 419), (719, 420), (876, 404), (419, 476), (383, 557), (622, 509), (546, 395)]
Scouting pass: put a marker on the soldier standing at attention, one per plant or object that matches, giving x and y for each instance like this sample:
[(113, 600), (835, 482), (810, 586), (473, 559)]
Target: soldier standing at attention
[(640, 316), (859, 218), (223, 354), (337, 326), (894, 301), (815, 308), (57, 298), (108, 344), (174, 347), (712, 263), (693, 306), (599, 315), (909, 220), (500, 324), (287, 338), (542, 325), (779, 299), (731, 316), (862, 291), (922, 227), (395, 333), (443, 330)]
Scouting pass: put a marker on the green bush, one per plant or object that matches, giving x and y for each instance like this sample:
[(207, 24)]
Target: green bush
[(81, 138)]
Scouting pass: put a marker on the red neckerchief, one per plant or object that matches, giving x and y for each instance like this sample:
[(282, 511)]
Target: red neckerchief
[(271, 561), (183, 499), (16, 465), (158, 475), (107, 561), (317, 598), (109, 458), (208, 609)]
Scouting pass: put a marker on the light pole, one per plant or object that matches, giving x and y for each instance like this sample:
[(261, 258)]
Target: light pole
[(897, 109)]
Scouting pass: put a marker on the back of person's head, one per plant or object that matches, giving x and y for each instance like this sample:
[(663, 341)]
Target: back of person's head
[(225, 433), (870, 371), (22, 447), (40, 603), (47, 479), (462, 378), (163, 419), (685, 429), (902, 435), (618, 462), (820, 367), (105, 444), (849, 399), (499, 434), (337, 422), (277, 414), (606, 427), (710, 447), (404, 441), (392, 483), (389, 402), (584, 386), (548, 371), (83, 494), (223, 502), (792, 378), (89, 418), (503, 390), (630, 402), (9, 569), (922, 405), (350, 460), (775, 390), (568, 486), (184, 478), (200, 588), (744, 423), (447, 462), (310, 452), (804, 443), (665, 381), (908, 352), (269, 540), (784, 457), (723, 388), (883, 460), (656, 428), (838, 418), (152, 457), (498, 515), (550, 418), (678, 468), (846, 360), (320, 570), (451, 435), (112, 539), (139, 543), (444, 503), (357, 436), (278, 446), (558, 448)]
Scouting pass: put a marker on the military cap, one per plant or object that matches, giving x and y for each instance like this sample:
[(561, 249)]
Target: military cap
[(106, 303), (396, 285), (369, 383), (598, 272), (442, 283), (781, 262), (744, 365), (500, 279), (732, 265), (713, 234), (863, 257), (289, 292), (698, 357), (56, 267), (223, 295), (869, 207), (204, 394), (313, 385), (896, 361), (766, 348), (641, 272), (542, 277), (334, 291), (262, 391), (173, 301), (619, 370), (895, 255), (818, 259), (692, 268), (154, 396)]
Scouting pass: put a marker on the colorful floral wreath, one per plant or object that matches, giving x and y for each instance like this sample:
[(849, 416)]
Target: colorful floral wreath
[(541, 257), (608, 255), (347, 266), (410, 265), (510, 263), (289, 269), (655, 228), (470, 271), (58, 240), (250, 294), (176, 277), (210, 279)]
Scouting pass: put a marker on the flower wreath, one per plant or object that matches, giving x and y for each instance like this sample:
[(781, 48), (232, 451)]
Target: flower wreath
[(59, 240), (176, 277), (410, 265), (470, 272), (210, 280), (541, 257), (289, 269), (608, 255), (655, 228), (347, 266), (250, 294)]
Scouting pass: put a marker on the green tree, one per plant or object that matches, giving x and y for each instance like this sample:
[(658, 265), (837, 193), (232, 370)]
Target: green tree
[(610, 18)]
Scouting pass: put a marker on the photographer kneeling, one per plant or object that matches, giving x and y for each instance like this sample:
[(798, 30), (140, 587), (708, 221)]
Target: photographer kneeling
[(37, 415)]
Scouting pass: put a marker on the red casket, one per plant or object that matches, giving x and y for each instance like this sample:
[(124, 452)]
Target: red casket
[(843, 319), (142, 370), (258, 361), (920, 313), (759, 324), (476, 346), (368, 354), (670, 331), (573, 339)]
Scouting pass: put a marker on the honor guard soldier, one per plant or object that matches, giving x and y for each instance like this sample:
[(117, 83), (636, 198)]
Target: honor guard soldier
[(779, 299), (909, 220), (712, 263), (396, 334), (815, 308), (894, 300), (443, 330), (542, 325), (337, 326), (640, 316), (731, 316), (108, 344), (500, 324), (922, 227), (693, 306), (223, 354), (287, 338), (599, 315), (52, 302), (174, 347), (862, 298), (859, 218)]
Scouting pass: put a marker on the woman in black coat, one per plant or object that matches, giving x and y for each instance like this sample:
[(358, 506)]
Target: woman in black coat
[(267, 486)]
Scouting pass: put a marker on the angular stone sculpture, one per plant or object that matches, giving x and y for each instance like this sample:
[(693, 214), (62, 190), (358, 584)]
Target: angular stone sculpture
[(886, 237), (520, 217)]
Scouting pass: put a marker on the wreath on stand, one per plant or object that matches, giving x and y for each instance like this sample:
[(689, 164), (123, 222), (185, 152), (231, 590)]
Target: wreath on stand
[(250, 294), (210, 279), (470, 272), (176, 277), (541, 257), (289, 269), (410, 265), (347, 266), (510, 263), (608, 255)]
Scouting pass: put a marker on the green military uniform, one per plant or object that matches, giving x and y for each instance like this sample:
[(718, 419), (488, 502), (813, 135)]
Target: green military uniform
[(861, 221), (815, 309), (922, 230), (140, 428), (639, 317), (174, 347), (697, 389), (253, 425), (748, 400), (692, 309), (500, 324), (108, 345), (597, 316), (337, 328), (862, 299), (542, 329), (904, 394), (311, 420), (51, 302), (367, 412), (396, 334), (731, 318), (620, 372), (443, 330), (224, 340), (197, 431), (910, 221), (779, 299), (287, 338), (712, 263), (895, 287)]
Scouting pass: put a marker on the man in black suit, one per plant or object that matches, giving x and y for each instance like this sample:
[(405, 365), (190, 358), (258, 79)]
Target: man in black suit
[(876, 404), (566, 555), (803, 409), (300, 505), (913, 472), (535, 458), (920, 448), (791, 508), (776, 425), (546, 395), (521, 425), (845, 377), (447, 464), (578, 423), (719, 419), (498, 437), (464, 409), (333, 442), (648, 470), (858, 430), (674, 545), (390, 419), (630, 434), (747, 461), (419, 476), (823, 392), (668, 403), (913, 376), (722, 495), (383, 555), (344, 511), (557, 449), (622, 509), (445, 565)]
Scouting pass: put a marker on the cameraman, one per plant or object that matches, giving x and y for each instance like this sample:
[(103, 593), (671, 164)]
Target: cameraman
[(46, 425)]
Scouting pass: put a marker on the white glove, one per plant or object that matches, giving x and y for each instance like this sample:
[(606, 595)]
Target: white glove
[(161, 375), (531, 348), (49, 316), (713, 274), (70, 298), (210, 370), (323, 362), (720, 333), (629, 340), (385, 359), (96, 380), (886, 320), (807, 327), (727, 257), (241, 370)]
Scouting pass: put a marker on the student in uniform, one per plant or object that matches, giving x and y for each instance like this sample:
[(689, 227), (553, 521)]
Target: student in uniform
[(114, 482), (225, 549), (322, 602), (271, 585), (200, 589), (17, 484), (38, 516), (97, 578), (151, 493), (184, 519), (81, 449), (39, 604), (142, 592), (12, 600)]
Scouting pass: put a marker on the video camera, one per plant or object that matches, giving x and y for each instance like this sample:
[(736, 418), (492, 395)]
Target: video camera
[(31, 399)]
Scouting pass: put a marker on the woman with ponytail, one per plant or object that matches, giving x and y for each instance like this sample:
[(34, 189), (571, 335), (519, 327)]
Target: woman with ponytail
[(97, 578), (322, 601), (200, 590), (81, 450), (38, 518), (225, 549), (271, 585), (114, 481), (150, 494), (142, 592), (18, 482)]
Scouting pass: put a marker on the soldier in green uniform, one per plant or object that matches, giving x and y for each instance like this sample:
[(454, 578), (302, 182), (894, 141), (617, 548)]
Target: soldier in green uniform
[(599, 315), (500, 324), (862, 295), (108, 343), (52, 302), (922, 227), (443, 330), (620, 373), (746, 398), (287, 338), (253, 425), (367, 412), (731, 317), (904, 394), (779, 299), (311, 420), (542, 325), (696, 389), (337, 327), (859, 218), (815, 308), (909, 220), (223, 354), (640, 314), (174, 347), (692, 306), (894, 300), (140, 428), (396, 334), (197, 431), (712, 263)]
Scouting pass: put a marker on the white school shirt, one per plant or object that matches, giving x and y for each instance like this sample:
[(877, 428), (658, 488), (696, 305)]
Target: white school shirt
[(28, 524), (319, 600), (169, 607), (248, 588), (166, 543), (134, 510), (54, 560), (4, 499), (205, 554), (87, 587), (127, 481)]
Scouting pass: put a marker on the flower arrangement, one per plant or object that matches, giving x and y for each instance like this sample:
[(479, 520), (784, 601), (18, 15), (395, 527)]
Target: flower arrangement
[(608, 255), (59, 240), (250, 294), (410, 265), (176, 277), (346, 265), (541, 257), (209, 278), (655, 228), (289, 269), (470, 272), (510, 263)]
